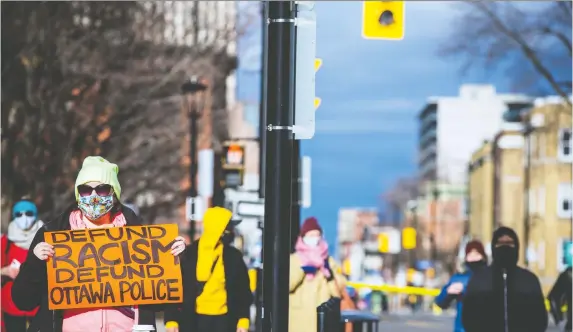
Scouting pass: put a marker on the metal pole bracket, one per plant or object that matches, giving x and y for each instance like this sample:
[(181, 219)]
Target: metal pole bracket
[(281, 20), (294, 129)]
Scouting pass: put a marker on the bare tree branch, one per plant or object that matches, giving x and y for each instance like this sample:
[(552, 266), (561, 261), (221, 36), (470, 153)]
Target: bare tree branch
[(492, 32), (85, 78)]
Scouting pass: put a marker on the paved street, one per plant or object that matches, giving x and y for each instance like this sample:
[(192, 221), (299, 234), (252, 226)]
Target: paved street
[(424, 322), (406, 322)]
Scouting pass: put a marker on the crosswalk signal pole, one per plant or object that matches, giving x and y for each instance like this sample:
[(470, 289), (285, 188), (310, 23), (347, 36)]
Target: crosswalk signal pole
[(279, 152)]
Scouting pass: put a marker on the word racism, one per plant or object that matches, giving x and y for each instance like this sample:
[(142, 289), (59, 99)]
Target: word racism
[(106, 267)]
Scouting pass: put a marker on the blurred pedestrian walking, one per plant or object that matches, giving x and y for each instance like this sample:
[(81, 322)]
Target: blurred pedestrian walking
[(15, 245), (454, 290), (504, 297), (97, 205), (216, 289), (560, 295), (312, 277)]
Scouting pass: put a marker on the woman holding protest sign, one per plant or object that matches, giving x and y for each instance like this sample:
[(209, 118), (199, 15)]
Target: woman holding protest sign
[(97, 206), (216, 295)]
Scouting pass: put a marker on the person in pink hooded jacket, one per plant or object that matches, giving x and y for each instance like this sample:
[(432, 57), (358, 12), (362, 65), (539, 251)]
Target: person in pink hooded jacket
[(313, 277)]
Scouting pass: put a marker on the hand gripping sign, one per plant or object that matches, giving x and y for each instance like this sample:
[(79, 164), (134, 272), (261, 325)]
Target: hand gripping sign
[(106, 267)]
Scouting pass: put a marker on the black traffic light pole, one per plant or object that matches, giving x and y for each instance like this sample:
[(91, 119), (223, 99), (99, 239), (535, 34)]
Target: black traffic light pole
[(279, 139), (295, 180), (263, 104), (295, 207), (262, 164)]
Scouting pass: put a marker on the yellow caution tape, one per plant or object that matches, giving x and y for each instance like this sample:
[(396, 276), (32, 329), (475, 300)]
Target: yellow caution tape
[(412, 290), (397, 289)]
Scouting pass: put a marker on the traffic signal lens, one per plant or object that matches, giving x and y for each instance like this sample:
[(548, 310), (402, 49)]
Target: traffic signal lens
[(386, 18)]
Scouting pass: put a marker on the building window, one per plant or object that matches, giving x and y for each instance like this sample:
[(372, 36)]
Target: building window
[(531, 195), (541, 144), (533, 146), (564, 200), (541, 201), (564, 153)]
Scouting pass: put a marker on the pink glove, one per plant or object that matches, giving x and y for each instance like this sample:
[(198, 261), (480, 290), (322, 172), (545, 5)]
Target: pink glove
[(311, 260), (324, 253)]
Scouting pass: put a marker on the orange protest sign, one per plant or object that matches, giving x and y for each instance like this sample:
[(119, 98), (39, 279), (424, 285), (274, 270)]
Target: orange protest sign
[(107, 267)]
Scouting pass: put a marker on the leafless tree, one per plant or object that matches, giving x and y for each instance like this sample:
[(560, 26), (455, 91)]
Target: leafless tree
[(493, 34), (404, 190), (103, 78)]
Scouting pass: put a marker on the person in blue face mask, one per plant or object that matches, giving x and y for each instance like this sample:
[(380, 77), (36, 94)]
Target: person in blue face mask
[(455, 288), (15, 245)]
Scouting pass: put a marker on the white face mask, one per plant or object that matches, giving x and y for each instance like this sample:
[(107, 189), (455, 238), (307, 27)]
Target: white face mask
[(24, 222), (311, 241)]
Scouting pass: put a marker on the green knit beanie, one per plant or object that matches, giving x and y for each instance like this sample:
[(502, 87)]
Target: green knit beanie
[(97, 169)]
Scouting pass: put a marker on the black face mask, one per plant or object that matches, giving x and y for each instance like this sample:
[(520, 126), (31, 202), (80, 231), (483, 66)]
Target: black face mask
[(505, 256), (475, 265), (227, 238)]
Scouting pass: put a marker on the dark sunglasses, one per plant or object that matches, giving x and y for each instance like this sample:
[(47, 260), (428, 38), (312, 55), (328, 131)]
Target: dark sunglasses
[(26, 213), (100, 190)]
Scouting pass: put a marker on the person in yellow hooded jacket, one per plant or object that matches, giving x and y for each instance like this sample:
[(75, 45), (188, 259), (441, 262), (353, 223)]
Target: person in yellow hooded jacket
[(216, 290), (314, 277)]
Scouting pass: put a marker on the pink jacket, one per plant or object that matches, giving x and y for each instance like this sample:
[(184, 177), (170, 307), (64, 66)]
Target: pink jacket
[(118, 319), (98, 320)]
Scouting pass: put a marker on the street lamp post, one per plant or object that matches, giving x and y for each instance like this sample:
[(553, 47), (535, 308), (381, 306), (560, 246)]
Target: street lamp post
[(434, 249), (191, 89), (528, 130), (413, 207)]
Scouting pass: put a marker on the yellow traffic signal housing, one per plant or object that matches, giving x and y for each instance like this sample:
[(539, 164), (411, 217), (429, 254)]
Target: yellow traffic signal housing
[(409, 238), (383, 20), (383, 243), (253, 279), (317, 102), (346, 267), (317, 65)]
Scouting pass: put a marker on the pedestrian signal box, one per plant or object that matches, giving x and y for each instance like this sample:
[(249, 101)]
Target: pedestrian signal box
[(383, 20), (383, 243), (233, 162), (409, 238)]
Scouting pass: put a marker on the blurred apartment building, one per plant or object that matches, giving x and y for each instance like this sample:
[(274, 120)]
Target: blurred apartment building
[(522, 178), (451, 129), (496, 185), (357, 233)]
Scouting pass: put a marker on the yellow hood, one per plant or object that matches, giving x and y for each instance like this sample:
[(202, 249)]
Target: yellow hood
[(215, 222)]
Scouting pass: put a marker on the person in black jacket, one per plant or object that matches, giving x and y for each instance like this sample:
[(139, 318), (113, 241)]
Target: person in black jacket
[(504, 297), (561, 294), (97, 205), (216, 289)]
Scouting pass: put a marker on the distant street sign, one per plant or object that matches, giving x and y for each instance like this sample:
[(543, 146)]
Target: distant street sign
[(305, 71), (250, 209), (194, 208)]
